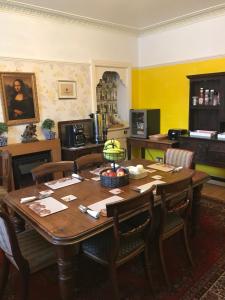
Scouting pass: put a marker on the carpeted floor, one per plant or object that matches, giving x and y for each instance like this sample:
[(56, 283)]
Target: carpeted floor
[(205, 281)]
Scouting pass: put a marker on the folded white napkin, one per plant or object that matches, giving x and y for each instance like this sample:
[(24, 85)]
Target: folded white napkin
[(28, 199)]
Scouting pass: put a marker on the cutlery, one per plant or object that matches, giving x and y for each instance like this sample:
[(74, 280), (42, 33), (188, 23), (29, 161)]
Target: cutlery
[(81, 178), (33, 198), (92, 213)]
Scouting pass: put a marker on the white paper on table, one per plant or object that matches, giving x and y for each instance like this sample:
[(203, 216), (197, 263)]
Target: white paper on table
[(146, 186), (62, 182), (47, 206), (98, 206), (97, 171), (161, 167)]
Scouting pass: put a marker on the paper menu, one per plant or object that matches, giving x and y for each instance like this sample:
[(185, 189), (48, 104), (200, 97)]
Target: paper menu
[(62, 182), (146, 186), (97, 170), (47, 206), (98, 206), (161, 167)]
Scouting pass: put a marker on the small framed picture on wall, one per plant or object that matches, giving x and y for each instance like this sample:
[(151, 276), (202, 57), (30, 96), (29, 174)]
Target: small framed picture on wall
[(19, 98), (67, 89)]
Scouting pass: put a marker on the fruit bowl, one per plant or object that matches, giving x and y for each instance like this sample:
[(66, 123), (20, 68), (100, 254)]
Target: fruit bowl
[(112, 179), (115, 156)]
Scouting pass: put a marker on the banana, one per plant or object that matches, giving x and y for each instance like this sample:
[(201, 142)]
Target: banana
[(117, 143), (112, 144), (113, 150)]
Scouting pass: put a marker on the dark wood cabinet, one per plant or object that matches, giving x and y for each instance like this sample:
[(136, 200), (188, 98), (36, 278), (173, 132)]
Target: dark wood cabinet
[(207, 151), (74, 153), (210, 115)]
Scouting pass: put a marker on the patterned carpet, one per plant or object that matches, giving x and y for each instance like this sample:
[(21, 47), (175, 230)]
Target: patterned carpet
[(205, 281)]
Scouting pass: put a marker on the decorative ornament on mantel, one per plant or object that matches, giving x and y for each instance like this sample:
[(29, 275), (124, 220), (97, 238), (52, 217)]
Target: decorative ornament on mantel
[(3, 138), (47, 126), (29, 135)]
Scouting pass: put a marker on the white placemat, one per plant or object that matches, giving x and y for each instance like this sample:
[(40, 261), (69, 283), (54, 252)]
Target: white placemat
[(98, 206), (62, 182)]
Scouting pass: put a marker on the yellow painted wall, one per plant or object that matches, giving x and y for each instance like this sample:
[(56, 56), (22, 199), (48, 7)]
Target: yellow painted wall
[(167, 88)]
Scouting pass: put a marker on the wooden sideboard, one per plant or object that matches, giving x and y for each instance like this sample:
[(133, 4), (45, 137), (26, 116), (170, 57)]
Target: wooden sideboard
[(74, 153), (207, 151), (162, 144)]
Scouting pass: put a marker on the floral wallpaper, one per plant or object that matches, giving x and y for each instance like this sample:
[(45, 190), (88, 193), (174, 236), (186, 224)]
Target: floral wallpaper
[(47, 75)]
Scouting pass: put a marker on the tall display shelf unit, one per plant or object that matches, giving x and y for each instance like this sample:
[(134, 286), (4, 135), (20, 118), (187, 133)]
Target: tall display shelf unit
[(210, 116), (111, 94)]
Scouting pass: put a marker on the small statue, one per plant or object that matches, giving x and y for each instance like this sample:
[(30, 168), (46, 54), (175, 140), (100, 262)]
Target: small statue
[(29, 134)]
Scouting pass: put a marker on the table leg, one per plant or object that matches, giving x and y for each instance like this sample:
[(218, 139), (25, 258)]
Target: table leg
[(128, 151), (66, 260), (143, 153), (195, 213)]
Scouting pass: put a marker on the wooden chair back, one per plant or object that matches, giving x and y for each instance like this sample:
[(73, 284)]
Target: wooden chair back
[(46, 171), (179, 158), (6, 180), (88, 161), (133, 226), (176, 197)]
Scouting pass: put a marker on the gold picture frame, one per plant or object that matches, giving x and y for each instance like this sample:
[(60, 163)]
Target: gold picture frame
[(19, 98), (67, 89)]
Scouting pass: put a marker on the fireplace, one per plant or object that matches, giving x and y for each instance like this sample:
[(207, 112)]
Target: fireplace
[(23, 164)]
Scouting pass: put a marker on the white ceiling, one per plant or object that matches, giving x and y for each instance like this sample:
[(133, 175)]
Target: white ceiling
[(132, 14)]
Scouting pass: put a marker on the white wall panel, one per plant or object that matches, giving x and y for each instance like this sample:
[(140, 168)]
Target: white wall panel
[(56, 38), (198, 40)]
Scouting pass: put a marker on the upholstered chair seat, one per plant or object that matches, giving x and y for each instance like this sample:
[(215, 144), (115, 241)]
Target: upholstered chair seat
[(100, 246), (37, 251), (27, 251), (126, 239), (176, 201)]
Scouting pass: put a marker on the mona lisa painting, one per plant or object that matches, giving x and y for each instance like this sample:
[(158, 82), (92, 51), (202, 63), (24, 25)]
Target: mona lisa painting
[(19, 98)]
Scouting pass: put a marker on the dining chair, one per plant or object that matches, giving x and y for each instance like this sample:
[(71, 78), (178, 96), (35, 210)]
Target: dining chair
[(6, 181), (46, 171), (28, 252), (88, 161), (176, 201), (179, 158), (114, 247)]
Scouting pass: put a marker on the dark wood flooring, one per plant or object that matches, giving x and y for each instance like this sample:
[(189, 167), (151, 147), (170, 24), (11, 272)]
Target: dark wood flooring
[(214, 192)]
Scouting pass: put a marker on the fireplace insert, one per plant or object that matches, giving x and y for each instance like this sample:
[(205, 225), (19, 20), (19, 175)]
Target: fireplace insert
[(23, 164)]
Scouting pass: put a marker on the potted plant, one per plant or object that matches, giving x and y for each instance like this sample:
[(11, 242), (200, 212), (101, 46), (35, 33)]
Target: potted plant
[(3, 138), (47, 126)]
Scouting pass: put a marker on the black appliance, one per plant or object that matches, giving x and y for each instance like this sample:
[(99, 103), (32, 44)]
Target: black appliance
[(74, 135), (173, 134), (144, 122)]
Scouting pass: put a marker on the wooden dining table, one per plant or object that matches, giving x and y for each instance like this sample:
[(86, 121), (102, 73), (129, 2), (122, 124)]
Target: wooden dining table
[(68, 228)]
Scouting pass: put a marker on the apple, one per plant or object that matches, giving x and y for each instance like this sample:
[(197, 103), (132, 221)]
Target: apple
[(104, 173), (120, 172), (112, 174)]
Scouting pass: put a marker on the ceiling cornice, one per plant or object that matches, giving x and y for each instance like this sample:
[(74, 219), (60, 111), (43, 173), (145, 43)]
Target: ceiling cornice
[(27, 9), (195, 17), (21, 8)]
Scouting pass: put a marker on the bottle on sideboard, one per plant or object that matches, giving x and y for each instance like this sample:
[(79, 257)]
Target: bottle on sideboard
[(206, 98), (201, 97)]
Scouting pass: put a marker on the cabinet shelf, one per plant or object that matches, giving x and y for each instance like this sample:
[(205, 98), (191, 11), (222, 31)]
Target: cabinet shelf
[(207, 117), (204, 107)]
